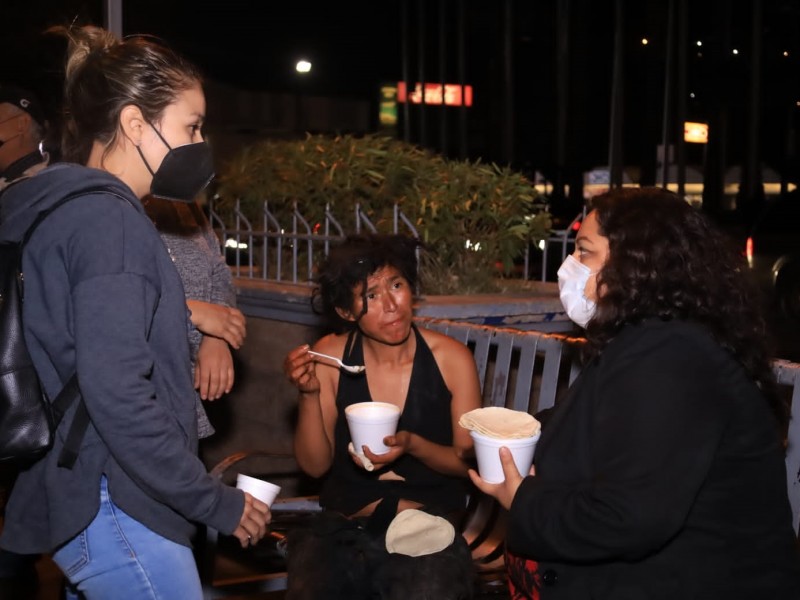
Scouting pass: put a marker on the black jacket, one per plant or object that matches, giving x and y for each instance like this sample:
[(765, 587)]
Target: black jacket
[(661, 475)]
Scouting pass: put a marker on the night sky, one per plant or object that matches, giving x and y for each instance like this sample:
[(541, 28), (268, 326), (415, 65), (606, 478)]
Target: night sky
[(355, 46)]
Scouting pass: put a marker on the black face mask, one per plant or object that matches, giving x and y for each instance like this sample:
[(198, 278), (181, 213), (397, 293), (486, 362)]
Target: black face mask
[(184, 172)]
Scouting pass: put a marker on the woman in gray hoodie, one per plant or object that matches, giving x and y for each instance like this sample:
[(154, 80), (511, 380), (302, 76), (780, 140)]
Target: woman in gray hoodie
[(104, 300)]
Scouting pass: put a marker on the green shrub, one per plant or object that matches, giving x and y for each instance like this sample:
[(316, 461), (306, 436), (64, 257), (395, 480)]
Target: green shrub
[(475, 219)]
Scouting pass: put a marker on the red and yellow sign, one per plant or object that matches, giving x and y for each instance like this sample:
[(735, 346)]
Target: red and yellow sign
[(696, 133), (431, 93)]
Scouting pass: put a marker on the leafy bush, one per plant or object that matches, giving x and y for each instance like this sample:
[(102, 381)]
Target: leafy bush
[(475, 219)]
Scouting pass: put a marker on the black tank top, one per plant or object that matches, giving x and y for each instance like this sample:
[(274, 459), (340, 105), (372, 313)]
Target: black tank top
[(348, 488)]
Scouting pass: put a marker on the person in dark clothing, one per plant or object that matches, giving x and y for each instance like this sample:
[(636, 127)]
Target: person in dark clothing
[(22, 129), (366, 289), (103, 300), (218, 325), (661, 474)]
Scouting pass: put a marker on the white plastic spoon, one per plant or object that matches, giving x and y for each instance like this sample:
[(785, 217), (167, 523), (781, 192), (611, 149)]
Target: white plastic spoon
[(348, 368)]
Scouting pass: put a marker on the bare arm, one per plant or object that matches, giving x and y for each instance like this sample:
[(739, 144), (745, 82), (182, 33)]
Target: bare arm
[(313, 441), (219, 321)]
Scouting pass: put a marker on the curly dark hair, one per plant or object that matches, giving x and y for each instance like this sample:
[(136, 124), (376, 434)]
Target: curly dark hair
[(668, 261), (351, 262)]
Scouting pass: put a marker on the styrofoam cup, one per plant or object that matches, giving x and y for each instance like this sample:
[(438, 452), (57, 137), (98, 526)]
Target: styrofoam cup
[(370, 422), (487, 451), (258, 488)]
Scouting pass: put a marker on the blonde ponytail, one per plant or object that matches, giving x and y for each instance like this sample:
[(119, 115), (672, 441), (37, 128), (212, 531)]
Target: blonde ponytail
[(83, 41)]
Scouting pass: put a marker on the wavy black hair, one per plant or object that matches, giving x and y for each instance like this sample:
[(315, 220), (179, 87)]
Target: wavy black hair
[(351, 262), (668, 261)]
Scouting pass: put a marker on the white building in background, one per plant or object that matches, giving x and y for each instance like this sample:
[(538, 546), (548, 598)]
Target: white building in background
[(598, 181)]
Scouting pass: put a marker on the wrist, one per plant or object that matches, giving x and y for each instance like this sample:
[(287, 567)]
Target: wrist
[(411, 445)]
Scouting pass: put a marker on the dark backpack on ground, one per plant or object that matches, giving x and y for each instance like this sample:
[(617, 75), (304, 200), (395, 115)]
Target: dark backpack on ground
[(28, 419), (336, 558)]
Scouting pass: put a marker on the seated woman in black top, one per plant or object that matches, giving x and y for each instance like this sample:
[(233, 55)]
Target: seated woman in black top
[(366, 287)]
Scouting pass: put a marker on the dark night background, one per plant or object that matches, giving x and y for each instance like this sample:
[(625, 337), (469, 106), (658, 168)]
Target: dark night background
[(356, 45)]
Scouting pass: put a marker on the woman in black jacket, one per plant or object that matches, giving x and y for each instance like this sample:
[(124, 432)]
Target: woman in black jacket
[(661, 474)]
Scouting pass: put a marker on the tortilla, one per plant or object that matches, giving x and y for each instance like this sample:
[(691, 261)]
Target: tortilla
[(499, 422), (417, 533)]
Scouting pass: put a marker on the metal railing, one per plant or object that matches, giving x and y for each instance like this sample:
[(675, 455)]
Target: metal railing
[(287, 251)]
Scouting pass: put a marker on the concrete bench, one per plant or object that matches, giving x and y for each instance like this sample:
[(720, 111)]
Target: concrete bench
[(522, 370)]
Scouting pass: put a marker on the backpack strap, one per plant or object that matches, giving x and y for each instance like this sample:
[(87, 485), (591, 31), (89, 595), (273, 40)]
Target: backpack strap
[(80, 421), (77, 430), (71, 390)]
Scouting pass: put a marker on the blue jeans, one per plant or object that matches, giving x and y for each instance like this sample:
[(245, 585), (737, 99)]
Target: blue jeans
[(118, 557)]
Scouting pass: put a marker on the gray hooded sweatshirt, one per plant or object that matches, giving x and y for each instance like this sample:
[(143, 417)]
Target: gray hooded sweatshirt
[(103, 298)]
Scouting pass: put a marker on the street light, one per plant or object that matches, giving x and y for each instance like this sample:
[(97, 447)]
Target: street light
[(303, 68)]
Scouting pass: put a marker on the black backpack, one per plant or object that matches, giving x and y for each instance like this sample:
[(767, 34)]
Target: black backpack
[(28, 419)]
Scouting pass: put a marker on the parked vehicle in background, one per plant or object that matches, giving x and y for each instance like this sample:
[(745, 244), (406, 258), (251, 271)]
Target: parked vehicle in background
[(773, 253)]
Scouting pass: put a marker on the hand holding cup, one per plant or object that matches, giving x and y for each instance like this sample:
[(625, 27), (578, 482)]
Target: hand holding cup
[(504, 491), (258, 497), (370, 423), (253, 523)]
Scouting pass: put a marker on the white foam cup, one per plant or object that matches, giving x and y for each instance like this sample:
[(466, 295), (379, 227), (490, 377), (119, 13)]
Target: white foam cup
[(370, 422), (258, 488), (487, 451)]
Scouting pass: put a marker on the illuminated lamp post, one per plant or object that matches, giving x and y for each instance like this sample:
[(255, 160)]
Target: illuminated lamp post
[(302, 67), (112, 16)]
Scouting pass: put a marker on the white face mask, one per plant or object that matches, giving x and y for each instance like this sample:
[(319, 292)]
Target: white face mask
[(572, 278)]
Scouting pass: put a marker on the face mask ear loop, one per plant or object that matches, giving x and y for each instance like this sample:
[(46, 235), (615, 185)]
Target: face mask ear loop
[(144, 160), (161, 137), (139, 150)]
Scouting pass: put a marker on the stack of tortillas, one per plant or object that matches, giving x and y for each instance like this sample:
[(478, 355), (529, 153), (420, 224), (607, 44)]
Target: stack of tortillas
[(498, 422)]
